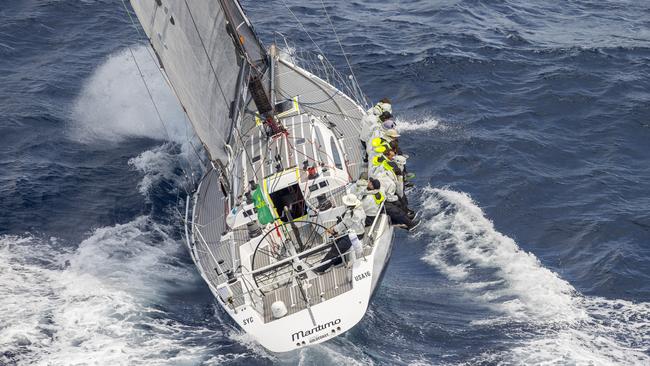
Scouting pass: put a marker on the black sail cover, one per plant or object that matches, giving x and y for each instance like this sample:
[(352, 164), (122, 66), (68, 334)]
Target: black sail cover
[(207, 48)]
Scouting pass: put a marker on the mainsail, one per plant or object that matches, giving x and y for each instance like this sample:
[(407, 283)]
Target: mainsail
[(208, 50)]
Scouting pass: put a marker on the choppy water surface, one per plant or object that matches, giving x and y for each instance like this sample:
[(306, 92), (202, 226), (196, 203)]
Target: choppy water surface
[(528, 124)]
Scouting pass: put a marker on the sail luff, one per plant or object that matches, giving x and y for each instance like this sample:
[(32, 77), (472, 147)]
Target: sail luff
[(202, 61)]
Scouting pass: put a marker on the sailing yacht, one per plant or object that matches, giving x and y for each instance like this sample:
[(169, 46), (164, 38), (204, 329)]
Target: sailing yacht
[(282, 133)]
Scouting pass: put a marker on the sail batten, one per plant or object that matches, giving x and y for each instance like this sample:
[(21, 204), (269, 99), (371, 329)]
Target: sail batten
[(204, 62)]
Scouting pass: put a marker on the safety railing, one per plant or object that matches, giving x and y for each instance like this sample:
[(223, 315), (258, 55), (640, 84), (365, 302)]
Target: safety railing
[(373, 227), (319, 65), (255, 292)]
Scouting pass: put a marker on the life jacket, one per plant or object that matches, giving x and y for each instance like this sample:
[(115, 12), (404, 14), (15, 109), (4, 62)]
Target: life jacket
[(388, 185), (379, 198), (380, 145), (372, 202), (381, 161)]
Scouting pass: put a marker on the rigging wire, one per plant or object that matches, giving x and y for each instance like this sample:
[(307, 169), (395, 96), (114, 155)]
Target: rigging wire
[(146, 85), (355, 80), (341, 79), (302, 27), (137, 29), (155, 105), (338, 40), (162, 74), (153, 102)]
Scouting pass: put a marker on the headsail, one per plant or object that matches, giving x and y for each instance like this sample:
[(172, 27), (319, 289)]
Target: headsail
[(207, 49)]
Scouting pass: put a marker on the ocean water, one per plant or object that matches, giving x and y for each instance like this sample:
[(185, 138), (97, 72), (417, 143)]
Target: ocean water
[(527, 123)]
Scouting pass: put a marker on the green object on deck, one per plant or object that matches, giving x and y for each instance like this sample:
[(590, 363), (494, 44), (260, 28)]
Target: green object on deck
[(264, 215)]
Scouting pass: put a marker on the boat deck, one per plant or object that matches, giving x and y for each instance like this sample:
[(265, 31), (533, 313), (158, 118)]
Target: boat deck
[(315, 98), (322, 288)]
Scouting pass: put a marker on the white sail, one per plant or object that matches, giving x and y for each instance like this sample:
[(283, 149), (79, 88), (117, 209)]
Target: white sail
[(206, 68)]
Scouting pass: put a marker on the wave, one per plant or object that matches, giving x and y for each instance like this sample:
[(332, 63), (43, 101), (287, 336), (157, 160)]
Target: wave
[(161, 164), (111, 298), (95, 304), (114, 103), (568, 326)]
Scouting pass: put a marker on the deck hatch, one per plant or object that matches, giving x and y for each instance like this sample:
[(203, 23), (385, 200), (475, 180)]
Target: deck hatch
[(290, 197)]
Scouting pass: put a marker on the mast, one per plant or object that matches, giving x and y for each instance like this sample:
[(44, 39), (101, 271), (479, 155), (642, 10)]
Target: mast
[(246, 39), (212, 59)]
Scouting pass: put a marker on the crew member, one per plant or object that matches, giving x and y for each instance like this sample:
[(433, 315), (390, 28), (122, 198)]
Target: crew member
[(394, 208), (380, 145), (400, 160), (351, 221), (372, 128), (387, 121), (391, 166), (394, 171), (353, 218), (379, 164), (359, 188), (374, 118), (382, 106), (372, 200), (391, 136)]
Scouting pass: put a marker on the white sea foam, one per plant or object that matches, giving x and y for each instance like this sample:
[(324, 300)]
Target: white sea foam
[(467, 240), (419, 124), (114, 103), (156, 165), (328, 354), (92, 305), (570, 328)]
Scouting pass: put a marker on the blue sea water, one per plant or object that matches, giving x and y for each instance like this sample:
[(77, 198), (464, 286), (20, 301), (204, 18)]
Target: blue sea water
[(527, 123)]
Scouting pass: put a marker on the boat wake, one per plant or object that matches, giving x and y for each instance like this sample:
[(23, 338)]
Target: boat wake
[(94, 304), (114, 297), (558, 324), (110, 299)]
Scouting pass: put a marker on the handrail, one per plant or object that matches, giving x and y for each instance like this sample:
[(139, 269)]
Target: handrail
[(374, 222), (256, 292), (202, 239), (324, 72)]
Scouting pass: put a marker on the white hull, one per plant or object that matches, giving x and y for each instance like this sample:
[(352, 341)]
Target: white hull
[(332, 317)]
